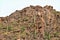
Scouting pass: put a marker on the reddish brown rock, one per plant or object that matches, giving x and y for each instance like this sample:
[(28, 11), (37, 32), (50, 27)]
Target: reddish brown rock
[(32, 23)]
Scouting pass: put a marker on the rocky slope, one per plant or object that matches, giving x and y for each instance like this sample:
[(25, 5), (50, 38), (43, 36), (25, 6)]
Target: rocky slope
[(31, 23)]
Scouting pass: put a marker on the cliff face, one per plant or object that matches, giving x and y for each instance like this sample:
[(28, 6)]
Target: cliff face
[(31, 23)]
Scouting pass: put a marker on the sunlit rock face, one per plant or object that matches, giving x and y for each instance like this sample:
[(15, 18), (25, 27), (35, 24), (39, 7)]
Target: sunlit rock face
[(31, 23)]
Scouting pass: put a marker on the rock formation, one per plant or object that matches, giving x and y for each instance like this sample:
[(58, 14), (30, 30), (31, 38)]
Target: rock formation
[(31, 23)]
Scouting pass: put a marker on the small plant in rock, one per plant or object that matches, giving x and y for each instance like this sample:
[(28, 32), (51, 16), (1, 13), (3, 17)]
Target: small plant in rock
[(9, 28), (47, 36), (22, 29)]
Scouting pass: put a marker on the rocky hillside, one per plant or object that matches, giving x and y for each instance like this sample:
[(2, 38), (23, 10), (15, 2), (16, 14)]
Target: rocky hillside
[(31, 23)]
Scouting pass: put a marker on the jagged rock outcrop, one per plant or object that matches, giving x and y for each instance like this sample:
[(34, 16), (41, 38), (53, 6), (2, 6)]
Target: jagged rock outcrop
[(31, 23)]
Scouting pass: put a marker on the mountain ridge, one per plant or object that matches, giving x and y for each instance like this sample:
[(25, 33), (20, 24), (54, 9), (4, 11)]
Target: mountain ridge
[(31, 23)]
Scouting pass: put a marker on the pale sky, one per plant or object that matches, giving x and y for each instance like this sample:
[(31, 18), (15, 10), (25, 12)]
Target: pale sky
[(9, 6)]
